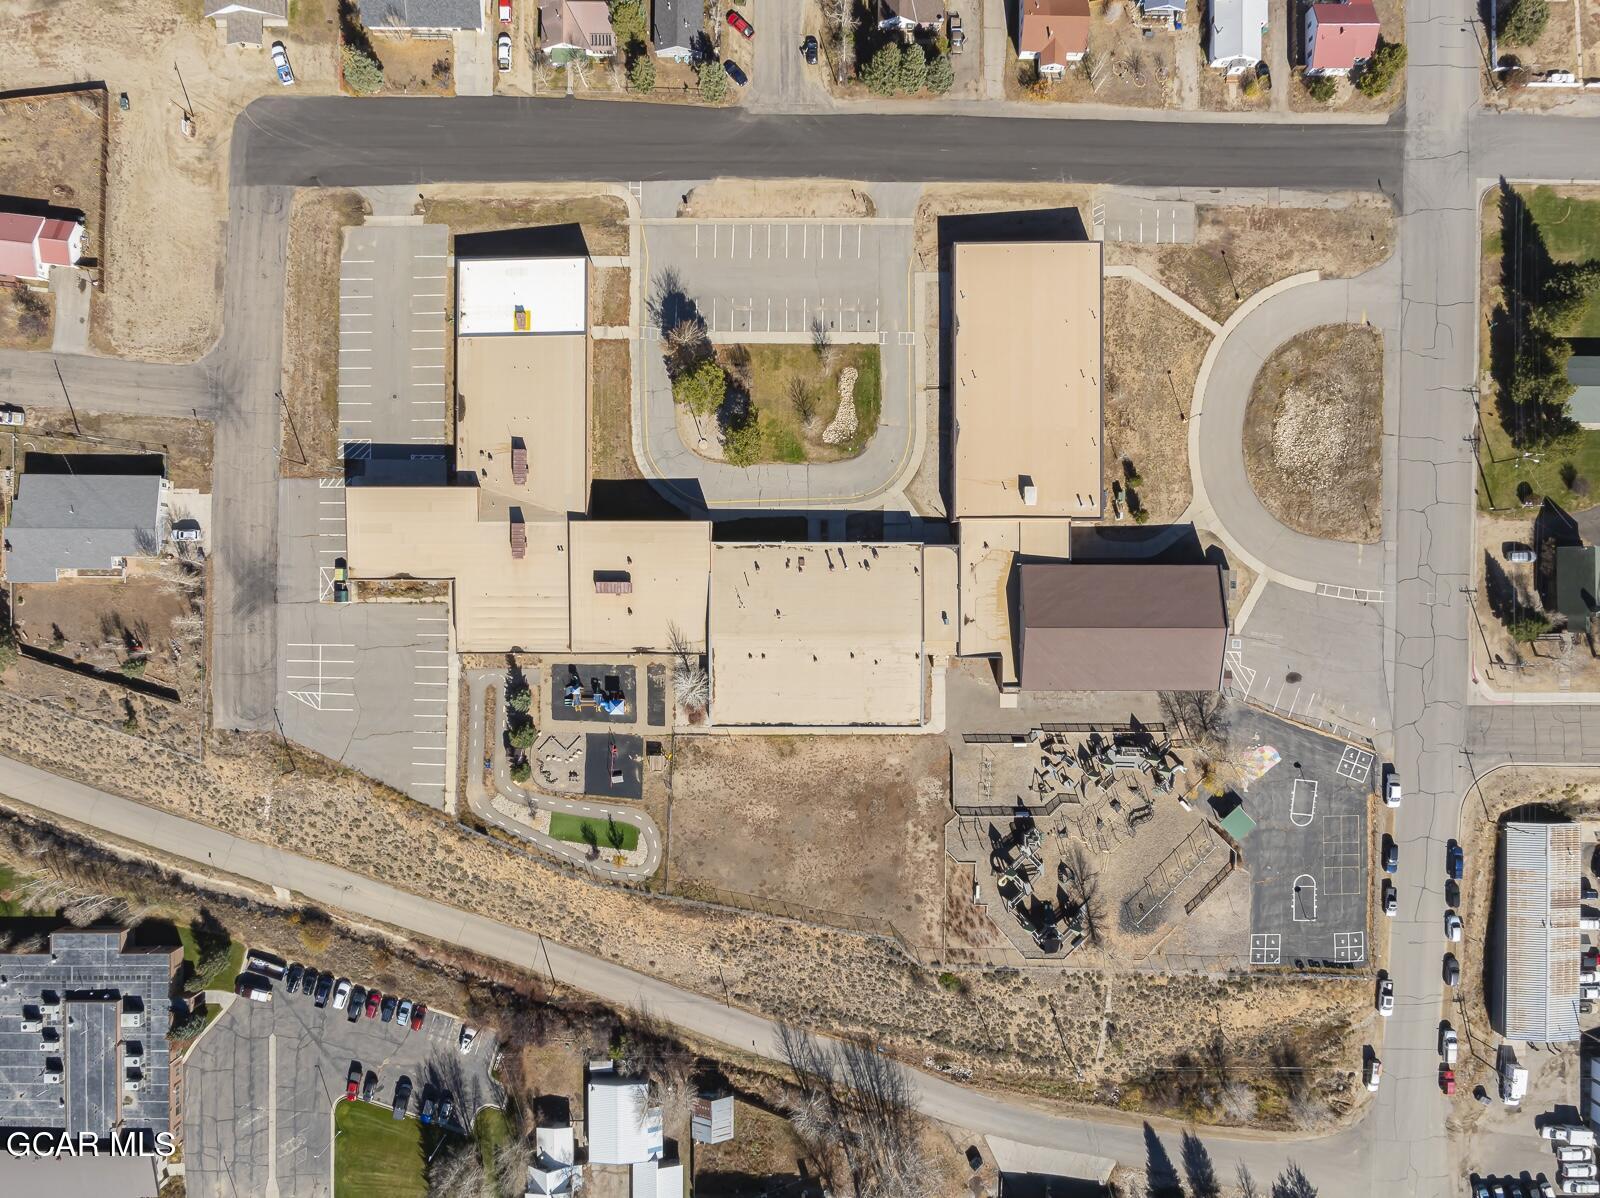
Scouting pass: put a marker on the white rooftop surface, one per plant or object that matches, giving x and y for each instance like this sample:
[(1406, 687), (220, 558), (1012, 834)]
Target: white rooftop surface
[(623, 1128), (552, 291), (816, 635), (657, 1179)]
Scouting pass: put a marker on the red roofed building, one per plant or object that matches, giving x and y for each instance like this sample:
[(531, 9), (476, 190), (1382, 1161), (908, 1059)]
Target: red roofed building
[(31, 245), (1054, 33), (1339, 37)]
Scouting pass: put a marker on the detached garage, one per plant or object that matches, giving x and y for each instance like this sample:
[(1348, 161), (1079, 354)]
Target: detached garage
[(1122, 627)]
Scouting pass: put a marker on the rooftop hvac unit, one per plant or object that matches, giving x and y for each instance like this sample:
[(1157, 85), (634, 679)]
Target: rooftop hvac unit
[(613, 582), (519, 540), (519, 461), (519, 319), (133, 1019), (1030, 493)]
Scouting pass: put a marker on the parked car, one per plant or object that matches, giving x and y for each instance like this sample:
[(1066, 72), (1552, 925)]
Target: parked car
[(291, 980), (1452, 970), (742, 25), (10, 414), (358, 1003), (505, 12), (974, 1157), (267, 965), (1447, 1079), (1452, 927), (1571, 1185), (402, 1096), (1568, 1133), (502, 51), (1519, 553), (1577, 1172), (1391, 899), (447, 1110), (1574, 1153), (187, 533), (731, 69), (352, 1081), (386, 1012), (1385, 997), (958, 35), (324, 987), (417, 1012), (251, 986), (1374, 1072), (280, 60), (1455, 861), (1391, 787), (341, 994), (808, 50), (1391, 855), (402, 1014), (429, 1107), (468, 1035), (370, 1088), (1449, 1044), (308, 984), (374, 1001)]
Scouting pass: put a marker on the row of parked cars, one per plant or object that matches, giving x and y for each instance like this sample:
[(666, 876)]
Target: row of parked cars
[(261, 970), (438, 1107), (1574, 1147)]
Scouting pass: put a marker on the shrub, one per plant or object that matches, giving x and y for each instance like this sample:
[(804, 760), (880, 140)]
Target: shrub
[(523, 736), (521, 772), (1321, 88), (742, 444), (520, 700), (882, 72), (1251, 87), (642, 75), (1378, 75), (702, 388), (1529, 626), (1522, 21), (913, 71), (713, 83), (363, 73), (941, 75), (1142, 516), (628, 24), (133, 667), (8, 646)]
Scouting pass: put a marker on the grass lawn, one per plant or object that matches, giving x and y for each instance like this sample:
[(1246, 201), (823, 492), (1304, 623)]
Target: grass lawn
[(10, 880), (191, 956), (376, 1155), (491, 1130), (570, 827), (1569, 222), (1503, 470), (774, 371)]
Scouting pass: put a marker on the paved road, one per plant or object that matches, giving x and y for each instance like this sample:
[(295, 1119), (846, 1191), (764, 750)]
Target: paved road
[(1567, 733), (1327, 1161), (479, 683), (1288, 555), (305, 141), (29, 380)]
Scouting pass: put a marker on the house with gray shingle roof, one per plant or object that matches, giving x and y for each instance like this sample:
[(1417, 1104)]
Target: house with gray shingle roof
[(1583, 372), (62, 523), (678, 29), (421, 16), (245, 21)]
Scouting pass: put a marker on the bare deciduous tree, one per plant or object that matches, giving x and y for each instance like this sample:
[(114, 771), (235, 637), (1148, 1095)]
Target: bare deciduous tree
[(840, 20), (1202, 716), (457, 1172), (1247, 1183), (511, 1161), (804, 400), (822, 345), (690, 682)]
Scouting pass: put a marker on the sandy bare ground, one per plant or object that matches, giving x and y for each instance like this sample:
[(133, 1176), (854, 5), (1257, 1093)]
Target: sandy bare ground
[(1313, 431), (50, 151), (481, 207), (166, 194), (1021, 211), (724, 198)]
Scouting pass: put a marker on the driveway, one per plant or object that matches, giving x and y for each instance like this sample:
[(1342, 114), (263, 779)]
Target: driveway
[(1217, 436), (261, 1084), (759, 281)]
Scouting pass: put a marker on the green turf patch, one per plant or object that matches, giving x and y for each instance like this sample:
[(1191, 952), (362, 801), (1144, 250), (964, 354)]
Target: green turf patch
[(571, 827), (221, 978), (377, 1155), (1571, 231), (491, 1130)]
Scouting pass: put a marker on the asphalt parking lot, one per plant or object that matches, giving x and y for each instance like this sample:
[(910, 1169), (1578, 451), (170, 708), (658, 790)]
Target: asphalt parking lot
[(367, 684), (392, 289), (1307, 855), (765, 278), (261, 1083)]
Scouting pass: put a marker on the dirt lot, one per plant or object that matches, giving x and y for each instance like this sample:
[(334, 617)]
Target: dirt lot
[(611, 412), (724, 198), (1152, 354), (479, 208), (311, 330), (166, 193), (1508, 589), (1313, 432), (105, 623), (1264, 245), (1130, 70), (1556, 49), (749, 816), (27, 317), (608, 296), (764, 1149), (51, 150), (1055, 206), (415, 66), (186, 444)]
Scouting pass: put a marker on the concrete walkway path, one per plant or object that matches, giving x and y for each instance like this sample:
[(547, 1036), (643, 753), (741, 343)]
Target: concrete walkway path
[(1223, 497), (481, 684)]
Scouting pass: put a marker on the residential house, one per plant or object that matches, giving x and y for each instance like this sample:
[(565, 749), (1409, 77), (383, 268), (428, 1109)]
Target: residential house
[(624, 1129), (908, 16), (1234, 34), (1170, 11), (1577, 584), (64, 523), (554, 1172), (1583, 372), (1340, 37), (31, 245), (657, 1179), (1053, 33), (678, 29), (245, 22), (421, 16), (577, 25)]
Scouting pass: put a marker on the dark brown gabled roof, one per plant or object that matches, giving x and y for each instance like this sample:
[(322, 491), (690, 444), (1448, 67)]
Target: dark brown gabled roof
[(1132, 627)]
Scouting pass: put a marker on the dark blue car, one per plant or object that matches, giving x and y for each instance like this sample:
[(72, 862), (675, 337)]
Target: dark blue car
[(734, 73)]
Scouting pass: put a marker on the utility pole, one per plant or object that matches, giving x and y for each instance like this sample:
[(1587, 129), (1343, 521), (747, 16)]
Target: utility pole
[(188, 108), (1229, 265), (57, 364)]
